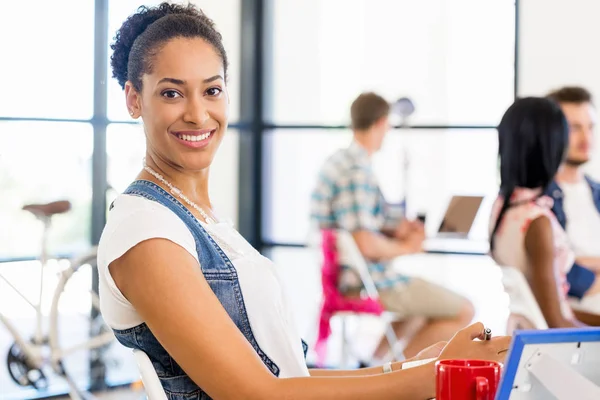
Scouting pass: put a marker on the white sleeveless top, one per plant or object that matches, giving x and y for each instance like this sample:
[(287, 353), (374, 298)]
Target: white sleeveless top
[(136, 219)]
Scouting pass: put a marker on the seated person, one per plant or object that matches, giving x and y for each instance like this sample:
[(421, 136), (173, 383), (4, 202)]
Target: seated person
[(525, 234), (183, 286), (577, 198), (347, 196)]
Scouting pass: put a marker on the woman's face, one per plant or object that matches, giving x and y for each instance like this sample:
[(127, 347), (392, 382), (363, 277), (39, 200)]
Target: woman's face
[(183, 103)]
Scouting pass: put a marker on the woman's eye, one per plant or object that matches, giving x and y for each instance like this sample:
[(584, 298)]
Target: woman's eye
[(214, 91), (170, 94)]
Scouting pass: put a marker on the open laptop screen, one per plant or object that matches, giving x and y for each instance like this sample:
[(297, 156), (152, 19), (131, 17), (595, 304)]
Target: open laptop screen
[(460, 215)]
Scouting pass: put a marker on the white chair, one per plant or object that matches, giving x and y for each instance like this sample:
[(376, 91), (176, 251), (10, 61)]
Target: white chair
[(152, 384), (521, 299), (348, 246)]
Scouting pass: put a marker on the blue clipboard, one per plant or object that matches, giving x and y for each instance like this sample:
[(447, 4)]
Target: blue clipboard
[(541, 341)]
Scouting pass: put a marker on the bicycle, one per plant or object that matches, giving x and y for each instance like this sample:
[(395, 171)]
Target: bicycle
[(27, 359)]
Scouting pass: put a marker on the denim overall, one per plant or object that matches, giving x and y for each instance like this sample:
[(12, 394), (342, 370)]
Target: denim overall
[(223, 280), (579, 277)]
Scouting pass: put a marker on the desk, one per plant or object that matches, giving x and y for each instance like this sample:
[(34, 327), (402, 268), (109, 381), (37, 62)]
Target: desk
[(456, 246), (476, 277)]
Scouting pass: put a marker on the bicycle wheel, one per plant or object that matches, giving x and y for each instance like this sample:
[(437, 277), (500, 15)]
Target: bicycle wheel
[(79, 337)]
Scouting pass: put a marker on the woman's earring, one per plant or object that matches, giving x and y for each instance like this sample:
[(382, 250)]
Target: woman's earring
[(131, 113)]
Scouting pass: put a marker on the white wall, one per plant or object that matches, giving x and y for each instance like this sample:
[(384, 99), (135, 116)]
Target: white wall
[(558, 45)]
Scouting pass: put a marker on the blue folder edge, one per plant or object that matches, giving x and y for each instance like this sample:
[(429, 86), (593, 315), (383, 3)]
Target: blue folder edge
[(524, 337)]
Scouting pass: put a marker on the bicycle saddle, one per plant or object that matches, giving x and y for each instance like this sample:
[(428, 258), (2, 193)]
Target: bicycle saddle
[(49, 209)]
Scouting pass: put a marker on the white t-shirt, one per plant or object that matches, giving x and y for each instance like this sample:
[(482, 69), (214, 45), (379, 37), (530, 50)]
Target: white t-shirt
[(135, 219), (583, 219)]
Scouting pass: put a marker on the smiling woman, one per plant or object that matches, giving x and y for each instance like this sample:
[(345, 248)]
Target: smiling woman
[(184, 103), (182, 285)]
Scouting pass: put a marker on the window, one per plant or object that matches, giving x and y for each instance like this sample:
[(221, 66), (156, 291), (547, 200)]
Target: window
[(125, 149), (440, 164), (454, 58), (289, 179), (223, 181), (49, 73), (42, 162)]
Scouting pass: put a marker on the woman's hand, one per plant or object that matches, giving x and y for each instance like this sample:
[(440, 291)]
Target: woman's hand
[(463, 345)]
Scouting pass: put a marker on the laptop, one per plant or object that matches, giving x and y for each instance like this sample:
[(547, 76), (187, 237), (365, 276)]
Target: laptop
[(456, 224)]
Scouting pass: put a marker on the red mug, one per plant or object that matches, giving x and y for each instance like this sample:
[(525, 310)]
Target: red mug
[(467, 379)]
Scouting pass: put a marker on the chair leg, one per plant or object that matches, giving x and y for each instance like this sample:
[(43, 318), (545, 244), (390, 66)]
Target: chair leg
[(344, 360)]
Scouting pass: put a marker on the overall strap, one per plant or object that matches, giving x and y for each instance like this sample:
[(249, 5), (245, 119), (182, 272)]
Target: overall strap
[(153, 192)]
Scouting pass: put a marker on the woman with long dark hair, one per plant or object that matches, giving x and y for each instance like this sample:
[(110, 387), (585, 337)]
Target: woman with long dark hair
[(533, 137)]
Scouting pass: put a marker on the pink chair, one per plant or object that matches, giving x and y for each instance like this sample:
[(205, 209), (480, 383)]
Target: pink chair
[(335, 303)]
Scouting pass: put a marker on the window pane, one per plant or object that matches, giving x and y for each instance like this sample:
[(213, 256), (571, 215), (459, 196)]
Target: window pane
[(290, 177), (224, 176), (441, 163), (48, 59), (426, 50), (225, 13), (126, 147), (43, 162)]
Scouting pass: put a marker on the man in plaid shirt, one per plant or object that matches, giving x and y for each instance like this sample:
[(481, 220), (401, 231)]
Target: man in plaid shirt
[(347, 196)]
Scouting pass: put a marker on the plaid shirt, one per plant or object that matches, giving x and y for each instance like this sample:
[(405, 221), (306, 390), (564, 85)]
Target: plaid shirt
[(347, 196)]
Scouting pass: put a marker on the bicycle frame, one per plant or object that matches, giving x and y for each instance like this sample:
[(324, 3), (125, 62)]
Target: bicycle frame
[(53, 333), (29, 349), (33, 351)]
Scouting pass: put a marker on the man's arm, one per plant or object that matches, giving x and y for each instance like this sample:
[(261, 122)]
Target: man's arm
[(587, 318), (377, 247), (592, 263)]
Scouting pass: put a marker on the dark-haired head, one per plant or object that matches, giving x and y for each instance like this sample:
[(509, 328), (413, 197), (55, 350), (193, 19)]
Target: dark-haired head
[(143, 33), (532, 139), (171, 62)]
